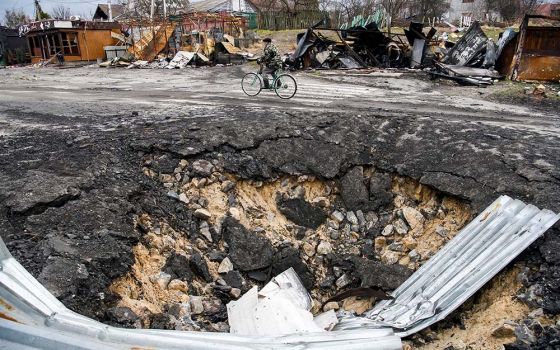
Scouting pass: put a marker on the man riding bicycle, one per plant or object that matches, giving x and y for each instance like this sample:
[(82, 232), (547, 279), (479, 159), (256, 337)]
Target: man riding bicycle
[(271, 60)]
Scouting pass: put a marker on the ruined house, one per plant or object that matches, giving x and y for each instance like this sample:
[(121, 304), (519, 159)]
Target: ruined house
[(549, 8), (280, 15), (243, 8), (76, 40), (13, 48), (108, 12), (473, 9)]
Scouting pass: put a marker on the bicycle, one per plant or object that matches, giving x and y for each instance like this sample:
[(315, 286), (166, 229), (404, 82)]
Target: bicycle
[(284, 85)]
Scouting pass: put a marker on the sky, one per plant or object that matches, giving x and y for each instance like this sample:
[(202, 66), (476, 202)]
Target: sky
[(77, 7)]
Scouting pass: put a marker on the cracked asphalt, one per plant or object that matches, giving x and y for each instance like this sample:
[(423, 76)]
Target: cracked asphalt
[(71, 142)]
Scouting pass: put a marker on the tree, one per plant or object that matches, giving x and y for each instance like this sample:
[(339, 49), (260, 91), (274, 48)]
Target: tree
[(13, 18), (39, 13), (512, 10), (429, 8), (61, 12)]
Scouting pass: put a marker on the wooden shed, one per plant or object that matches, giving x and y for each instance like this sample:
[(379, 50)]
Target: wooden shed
[(75, 40)]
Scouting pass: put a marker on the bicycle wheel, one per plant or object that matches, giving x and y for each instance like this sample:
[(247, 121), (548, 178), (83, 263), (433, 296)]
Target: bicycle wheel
[(251, 84), (285, 86)]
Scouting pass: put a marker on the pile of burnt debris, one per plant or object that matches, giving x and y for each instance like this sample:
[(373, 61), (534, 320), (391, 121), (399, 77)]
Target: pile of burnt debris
[(532, 53)]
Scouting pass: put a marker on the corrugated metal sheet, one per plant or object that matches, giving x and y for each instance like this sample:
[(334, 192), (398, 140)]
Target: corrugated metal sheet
[(478, 252), (32, 318)]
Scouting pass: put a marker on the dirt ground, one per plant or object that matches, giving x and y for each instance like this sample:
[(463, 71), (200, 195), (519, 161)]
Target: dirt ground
[(127, 189)]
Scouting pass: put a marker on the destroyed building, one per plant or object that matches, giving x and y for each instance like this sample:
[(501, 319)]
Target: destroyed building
[(532, 53), (13, 48), (75, 40), (109, 12), (244, 8)]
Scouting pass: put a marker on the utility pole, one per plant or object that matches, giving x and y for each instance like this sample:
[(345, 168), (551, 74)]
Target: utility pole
[(164, 9), (37, 11), (110, 10), (152, 11)]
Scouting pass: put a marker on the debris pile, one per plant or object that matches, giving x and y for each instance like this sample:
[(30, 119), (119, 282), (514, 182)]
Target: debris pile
[(367, 230), (355, 47), (474, 59), (471, 60)]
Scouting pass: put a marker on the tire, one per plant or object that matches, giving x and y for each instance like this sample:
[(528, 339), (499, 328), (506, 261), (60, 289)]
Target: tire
[(251, 84), (285, 86)]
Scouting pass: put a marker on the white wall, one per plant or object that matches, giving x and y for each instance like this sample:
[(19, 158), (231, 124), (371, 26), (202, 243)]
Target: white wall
[(476, 9)]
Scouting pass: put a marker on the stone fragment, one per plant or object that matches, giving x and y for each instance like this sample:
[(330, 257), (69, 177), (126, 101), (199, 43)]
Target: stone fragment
[(361, 218), (299, 232), (225, 266), (507, 330), (235, 293), (308, 249), (400, 226), (259, 276), (247, 250), (337, 216), (343, 281), (333, 224), (327, 282), (178, 285), (227, 186), (215, 309), (380, 243), (374, 273), (334, 234), (331, 305), (289, 257), (409, 242), (413, 217), (536, 313), (199, 266), (234, 279), (199, 182), (202, 168), (324, 248), (413, 255), (390, 257), (353, 191), (178, 266), (202, 214), (380, 191), (205, 231), (234, 213), (352, 218), (388, 230), (298, 192), (183, 198), (301, 212), (359, 306), (442, 231), (121, 314), (321, 201), (396, 247), (183, 163), (162, 279), (197, 307), (524, 334)]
